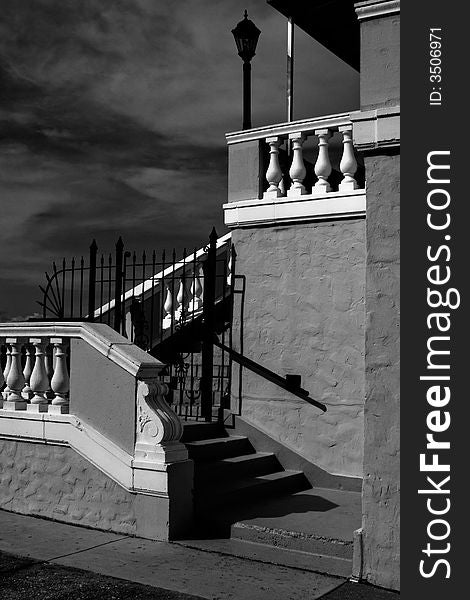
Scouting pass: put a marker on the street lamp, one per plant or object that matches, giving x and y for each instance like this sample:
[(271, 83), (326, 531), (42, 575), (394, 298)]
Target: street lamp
[(246, 36)]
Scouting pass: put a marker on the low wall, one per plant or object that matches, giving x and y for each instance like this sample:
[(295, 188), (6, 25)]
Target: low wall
[(57, 483), (304, 314), (115, 462)]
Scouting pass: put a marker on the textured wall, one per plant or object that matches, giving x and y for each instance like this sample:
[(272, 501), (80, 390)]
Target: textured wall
[(304, 315), (381, 447), (103, 394), (380, 62), (56, 482)]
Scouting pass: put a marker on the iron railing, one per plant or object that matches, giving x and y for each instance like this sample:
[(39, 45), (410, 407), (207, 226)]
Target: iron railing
[(171, 308)]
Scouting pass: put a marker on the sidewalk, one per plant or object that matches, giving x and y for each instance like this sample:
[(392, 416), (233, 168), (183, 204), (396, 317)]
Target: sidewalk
[(52, 561)]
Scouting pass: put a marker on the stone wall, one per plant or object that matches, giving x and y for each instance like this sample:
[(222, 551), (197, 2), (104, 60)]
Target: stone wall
[(57, 483), (381, 501), (304, 314)]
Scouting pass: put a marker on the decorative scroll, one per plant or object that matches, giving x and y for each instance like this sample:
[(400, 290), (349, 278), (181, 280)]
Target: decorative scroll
[(159, 429)]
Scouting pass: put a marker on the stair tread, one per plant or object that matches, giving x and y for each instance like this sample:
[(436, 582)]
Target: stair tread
[(242, 458), (250, 482), (219, 440)]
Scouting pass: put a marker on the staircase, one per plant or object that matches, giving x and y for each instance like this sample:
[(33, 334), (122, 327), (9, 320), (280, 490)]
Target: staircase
[(248, 505)]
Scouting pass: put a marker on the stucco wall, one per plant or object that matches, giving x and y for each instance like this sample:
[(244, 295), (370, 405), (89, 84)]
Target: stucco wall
[(380, 62), (56, 482), (103, 394), (381, 501), (304, 314)]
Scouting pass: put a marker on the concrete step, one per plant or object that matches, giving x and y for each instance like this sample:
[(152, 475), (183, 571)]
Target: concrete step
[(250, 488), (219, 448), (200, 430), (260, 463), (263, 553), (319, 521), (293, 540)]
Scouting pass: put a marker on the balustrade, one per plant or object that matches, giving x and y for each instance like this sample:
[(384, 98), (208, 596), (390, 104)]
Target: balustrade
[(186, 304), (32, 379), (322, 168)]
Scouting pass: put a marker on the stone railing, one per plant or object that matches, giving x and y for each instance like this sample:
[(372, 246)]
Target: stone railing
[(323, 128), (56, 368), (265, 183), (35, 376), (85, 387)]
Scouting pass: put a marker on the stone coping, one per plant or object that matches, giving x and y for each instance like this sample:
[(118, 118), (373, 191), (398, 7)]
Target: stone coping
[(309, 207), (100, 336)]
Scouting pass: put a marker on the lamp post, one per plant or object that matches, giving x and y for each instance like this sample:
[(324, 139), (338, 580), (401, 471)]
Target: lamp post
[(246, 36)]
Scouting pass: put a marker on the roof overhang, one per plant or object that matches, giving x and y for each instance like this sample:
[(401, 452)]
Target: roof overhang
[(333, 23)]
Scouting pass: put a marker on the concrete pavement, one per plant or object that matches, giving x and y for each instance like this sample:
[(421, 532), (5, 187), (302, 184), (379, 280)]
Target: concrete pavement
[(164, 566), (47, 560)]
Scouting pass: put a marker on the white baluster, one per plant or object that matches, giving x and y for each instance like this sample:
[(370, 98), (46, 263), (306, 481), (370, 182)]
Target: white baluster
[(39, 381), (229, 270), (348, 164), (180, 301), (6, 370), (297, 171), (49, 364), (274, 173), (323, 165), (168, 309), (2, 380), (15, 379), (196, 295), (60, 382), (28, 369)]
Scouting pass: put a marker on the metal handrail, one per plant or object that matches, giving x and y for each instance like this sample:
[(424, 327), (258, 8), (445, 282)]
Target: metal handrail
[(269, 375)]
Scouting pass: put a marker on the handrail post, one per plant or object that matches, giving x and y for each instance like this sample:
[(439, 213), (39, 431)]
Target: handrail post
[(233, 263), (118, 285), (209, 271), (92, 281)]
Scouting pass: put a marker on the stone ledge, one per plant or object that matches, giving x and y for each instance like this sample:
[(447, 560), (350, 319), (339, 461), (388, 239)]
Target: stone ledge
[(373, 9), (311, 207), (98, 335), (378, 128)]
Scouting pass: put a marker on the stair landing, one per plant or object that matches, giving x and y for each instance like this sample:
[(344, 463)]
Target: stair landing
[(291, 524), (313, 513)]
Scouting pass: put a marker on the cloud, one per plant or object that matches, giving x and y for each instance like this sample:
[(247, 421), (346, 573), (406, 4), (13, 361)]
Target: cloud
[(112, 122)]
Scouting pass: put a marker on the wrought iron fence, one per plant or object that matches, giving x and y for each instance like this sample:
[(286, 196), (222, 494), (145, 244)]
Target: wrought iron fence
[(170, 307)]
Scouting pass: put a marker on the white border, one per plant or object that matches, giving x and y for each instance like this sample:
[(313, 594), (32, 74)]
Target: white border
[(310, 207)]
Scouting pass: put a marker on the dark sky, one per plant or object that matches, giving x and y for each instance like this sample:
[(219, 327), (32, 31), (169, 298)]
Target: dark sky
[(112, 122)]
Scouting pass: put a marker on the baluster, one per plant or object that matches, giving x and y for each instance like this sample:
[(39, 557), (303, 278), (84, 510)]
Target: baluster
[(49, 364), (15, 379), (60, 382), (297, 171), (28, 369), (348, 164), (168, 309), (196, 294), (323, 165), (6, 370), (39, 381), (274, 173), (229, 268), (2, 380), (180, 301)]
